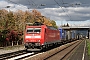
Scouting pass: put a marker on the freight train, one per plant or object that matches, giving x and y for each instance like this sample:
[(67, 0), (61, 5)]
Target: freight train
[(40, 36), (67, 35)]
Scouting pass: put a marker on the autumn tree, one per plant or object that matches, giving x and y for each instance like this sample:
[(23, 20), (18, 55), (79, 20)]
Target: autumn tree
[(29, 17), (10, 20), (19, 17), (16, 21), (3, 19), (37, 16)]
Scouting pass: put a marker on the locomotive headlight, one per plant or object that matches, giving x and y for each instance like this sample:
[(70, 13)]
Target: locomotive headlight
[(42, 44), (38, 40), (27, 40)]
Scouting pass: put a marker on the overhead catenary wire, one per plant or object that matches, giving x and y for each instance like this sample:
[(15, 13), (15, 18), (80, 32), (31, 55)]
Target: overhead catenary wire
[(12, 1), (35, 4), (68, 13), (41, 4), (62, 9)]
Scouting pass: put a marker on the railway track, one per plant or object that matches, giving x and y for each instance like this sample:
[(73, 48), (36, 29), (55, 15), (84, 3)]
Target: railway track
[(58, 53), (10, 55), (15, 55), (61, 55)]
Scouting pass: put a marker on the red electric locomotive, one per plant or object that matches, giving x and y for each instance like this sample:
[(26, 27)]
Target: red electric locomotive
[(41, 36)]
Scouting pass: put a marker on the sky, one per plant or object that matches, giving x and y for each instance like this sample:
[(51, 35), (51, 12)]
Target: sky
[(74, 12)]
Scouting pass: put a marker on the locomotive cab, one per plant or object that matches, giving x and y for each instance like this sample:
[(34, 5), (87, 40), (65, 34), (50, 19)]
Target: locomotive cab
[(34, 36), (38, 37)]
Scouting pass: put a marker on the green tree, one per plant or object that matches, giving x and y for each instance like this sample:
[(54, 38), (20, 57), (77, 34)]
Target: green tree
[(54, 23)]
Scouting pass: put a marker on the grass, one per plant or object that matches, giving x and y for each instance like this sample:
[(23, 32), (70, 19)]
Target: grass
[(88, 47)]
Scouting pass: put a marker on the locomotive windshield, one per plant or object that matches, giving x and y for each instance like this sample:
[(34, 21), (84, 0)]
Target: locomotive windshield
[(31, 30)]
